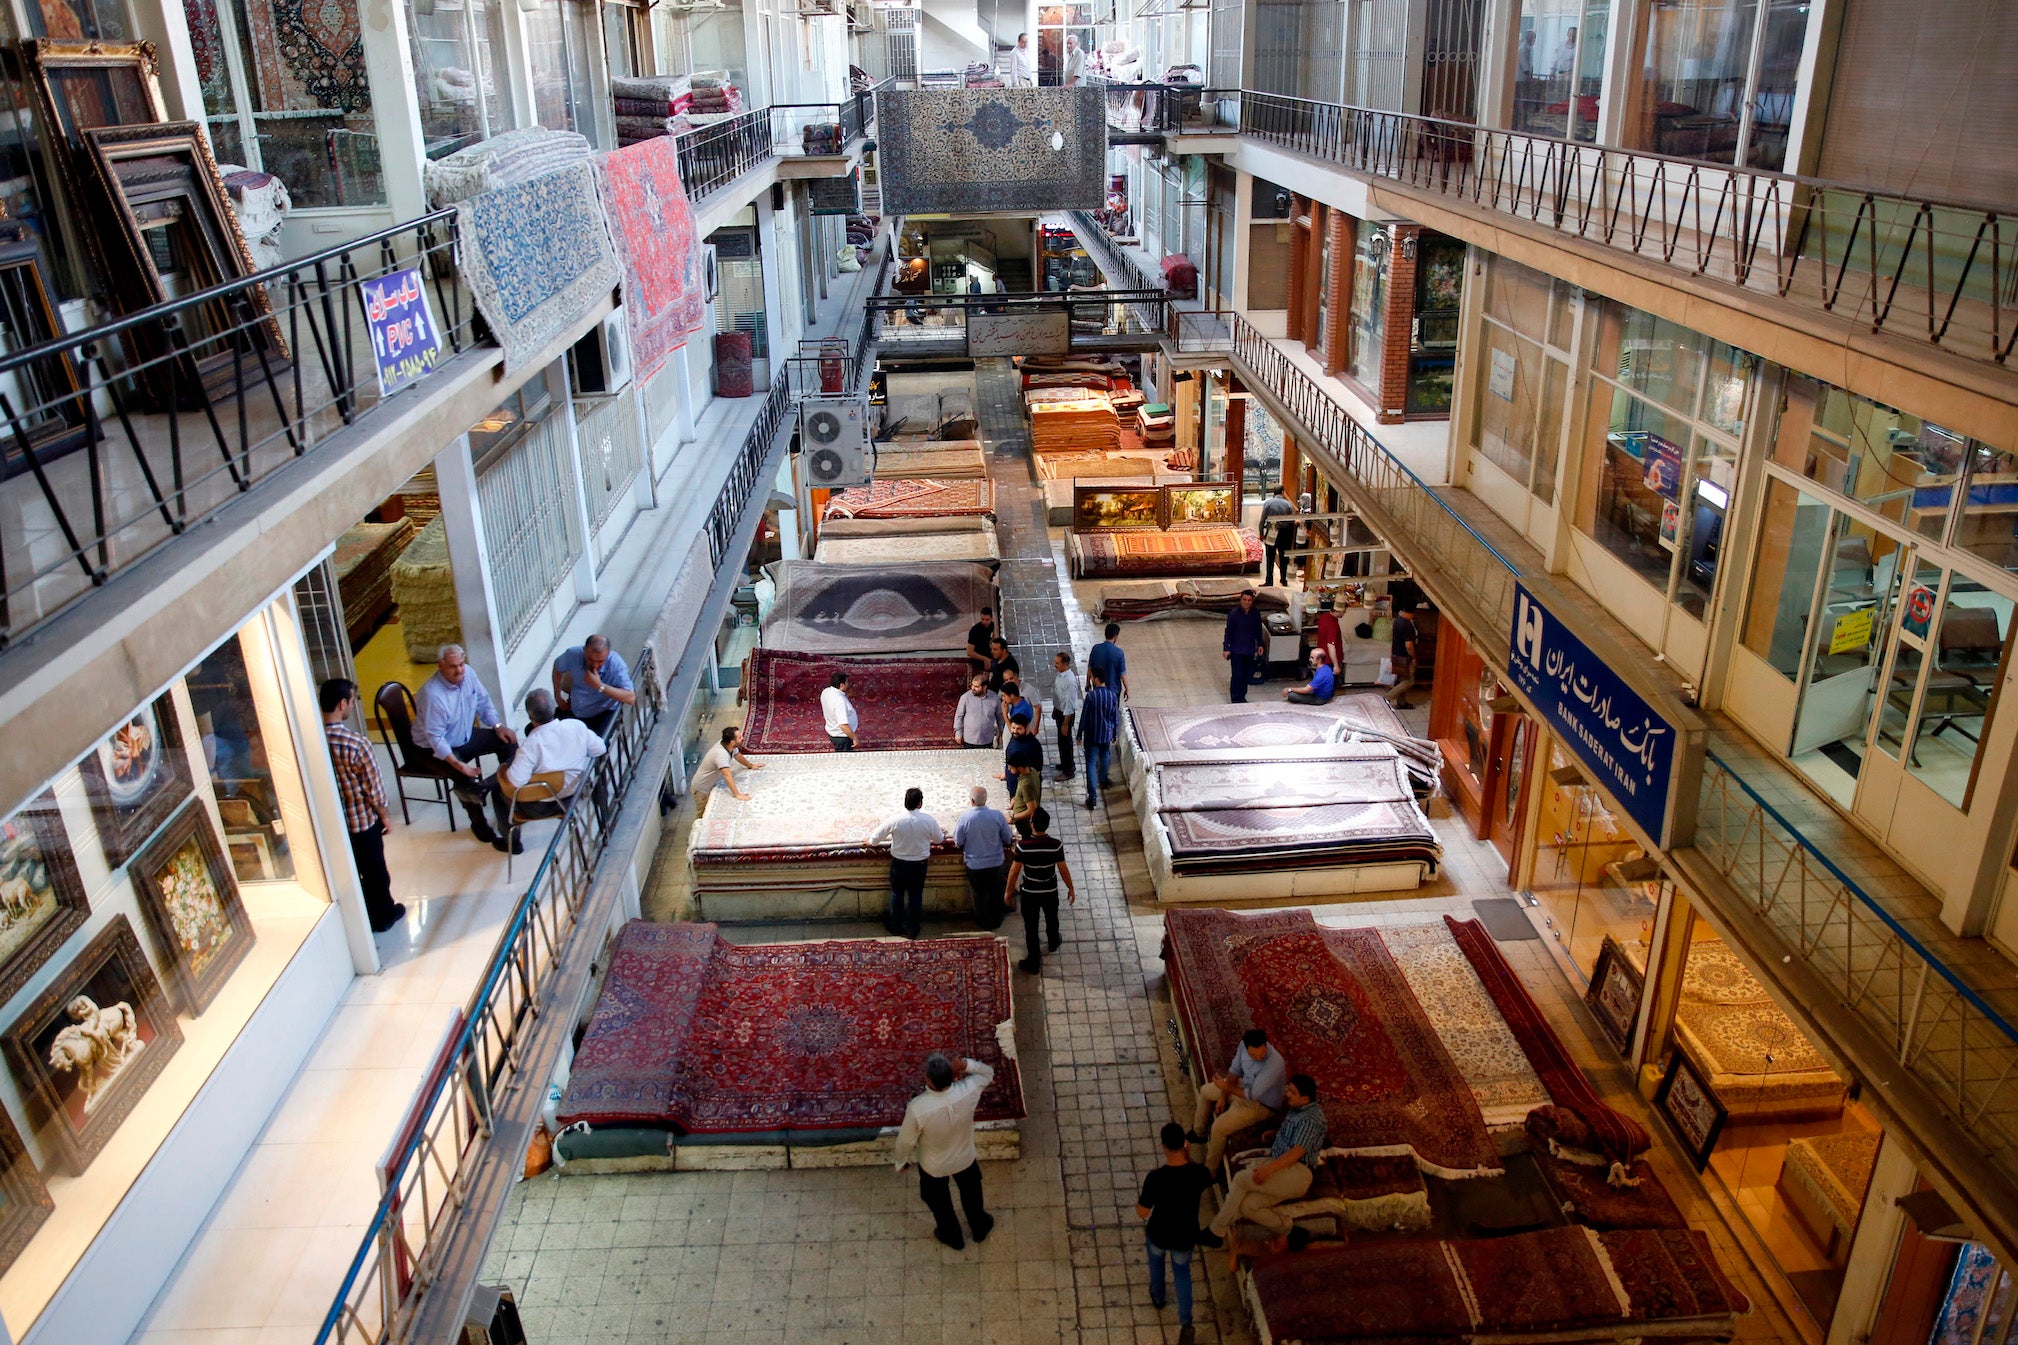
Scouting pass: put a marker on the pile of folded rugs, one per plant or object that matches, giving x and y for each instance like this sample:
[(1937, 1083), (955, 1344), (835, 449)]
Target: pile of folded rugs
[(502, 161), (823, 138), (667, 105)]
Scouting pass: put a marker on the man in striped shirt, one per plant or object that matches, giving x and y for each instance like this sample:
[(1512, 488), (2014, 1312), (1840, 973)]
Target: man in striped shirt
[(365, 812), (1286, 1174), (1033, 879)]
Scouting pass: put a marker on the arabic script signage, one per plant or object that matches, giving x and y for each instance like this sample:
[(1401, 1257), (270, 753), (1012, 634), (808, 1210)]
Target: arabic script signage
[(404, 338), (1629, 749)]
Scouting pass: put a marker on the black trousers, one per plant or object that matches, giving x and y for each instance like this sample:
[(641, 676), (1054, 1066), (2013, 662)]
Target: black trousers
[(482, 743), (367, 848), (601, 722), (1064, 745), (986, 885), (907, 895), (1038, 906), (1240, 672), (938, 1199), (841, 744)]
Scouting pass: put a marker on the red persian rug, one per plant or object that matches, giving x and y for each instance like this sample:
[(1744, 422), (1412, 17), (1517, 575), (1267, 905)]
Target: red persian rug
[(906, 704), (1322, 1294), (1338, 1007), (914, 499), (1594, 1202), (1202, 948), (653, 229), (1178, 551), (1671, 1272), (1546, 1281), (785, 1036), (735, 370), (1621, 1136)]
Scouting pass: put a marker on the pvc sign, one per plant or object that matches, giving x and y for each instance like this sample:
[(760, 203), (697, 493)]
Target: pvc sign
[(1609, 726), (404, 338)]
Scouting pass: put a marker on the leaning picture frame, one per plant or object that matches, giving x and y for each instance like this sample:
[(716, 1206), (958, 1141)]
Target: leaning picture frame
[(90, 1045), (24, 1197), (1614, 994), (1691, 1106), (136, 777), (189, 894), (42, 900)]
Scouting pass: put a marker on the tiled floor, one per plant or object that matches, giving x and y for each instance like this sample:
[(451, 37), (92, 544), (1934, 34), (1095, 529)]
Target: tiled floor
[(846, 1257)]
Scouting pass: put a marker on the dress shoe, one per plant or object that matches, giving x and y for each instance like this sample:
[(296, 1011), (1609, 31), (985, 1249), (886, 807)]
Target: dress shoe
[(1030, 968), (1156, 1302), (1193, 1137), (1186, 1336), (517, 846), (984, 1228), (398, 914), (1206, 1237), (481, 829), (956, 1242), (1055, 943)]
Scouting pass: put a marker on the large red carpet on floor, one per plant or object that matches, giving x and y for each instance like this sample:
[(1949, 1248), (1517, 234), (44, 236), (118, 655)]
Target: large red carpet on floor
[(906, 704), (705, 1036)]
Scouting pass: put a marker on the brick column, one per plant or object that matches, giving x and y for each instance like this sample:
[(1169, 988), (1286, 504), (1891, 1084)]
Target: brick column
[(1400, 316), (1299, 270), (1235, 464), (1292, 464), (1343, 232), (1312, 242)]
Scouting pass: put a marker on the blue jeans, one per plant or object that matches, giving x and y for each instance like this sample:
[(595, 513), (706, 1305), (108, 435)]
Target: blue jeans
[(1096, 770), (1180, 1270)]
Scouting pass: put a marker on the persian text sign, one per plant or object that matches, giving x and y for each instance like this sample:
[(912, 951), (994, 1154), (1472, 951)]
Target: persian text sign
[(1628, 748), (404, 337)]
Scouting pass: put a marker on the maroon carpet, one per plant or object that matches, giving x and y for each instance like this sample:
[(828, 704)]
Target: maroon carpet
[(1546, 1281), (1671, 1272), (1322, 1294), (1592, 1201), (906, 704), (735, 371), (711, 1038)]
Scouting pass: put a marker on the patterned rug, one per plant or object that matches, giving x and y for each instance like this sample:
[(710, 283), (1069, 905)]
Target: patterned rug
[(1670, 1273), (817, 807), (1465, 1020), (1336, 1005), (980, 547), (1215, 550), (1262, 727), (955, 460), (712, 1038), (970, 151), (1591, 1200), (1322, 836), (905, 704), (1552, 1280), (924, 608), (914, 499), (536, 257), (1373, 774), (1836, 1170), (653, 229)]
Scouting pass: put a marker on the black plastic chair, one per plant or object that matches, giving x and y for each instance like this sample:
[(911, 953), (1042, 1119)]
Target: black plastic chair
[(396, 711)]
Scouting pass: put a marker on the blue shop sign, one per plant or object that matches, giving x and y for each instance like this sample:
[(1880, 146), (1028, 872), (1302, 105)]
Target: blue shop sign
[(1628, 748), (404, 338)]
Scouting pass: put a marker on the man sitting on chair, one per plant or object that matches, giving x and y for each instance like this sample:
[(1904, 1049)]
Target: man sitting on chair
[(557, 753)]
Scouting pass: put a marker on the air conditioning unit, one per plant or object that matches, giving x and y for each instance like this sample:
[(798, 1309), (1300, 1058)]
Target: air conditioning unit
[(601, 361), (834, 445), (711, 273)]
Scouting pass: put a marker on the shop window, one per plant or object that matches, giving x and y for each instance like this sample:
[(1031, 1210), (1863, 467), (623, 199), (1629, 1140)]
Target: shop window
[(459, 66), (526, 491), (626, 32), (1720, 79), (1592, 879), (1952, 643), (1065, 42), (1366, 339), (240, 764), (1795, 1151), (1559, 67), (709, 39), (557, 38), (1519, 410), (1432, 359)]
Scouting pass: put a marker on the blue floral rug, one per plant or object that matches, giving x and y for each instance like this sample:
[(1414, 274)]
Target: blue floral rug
[(957, 151), (536, 256)]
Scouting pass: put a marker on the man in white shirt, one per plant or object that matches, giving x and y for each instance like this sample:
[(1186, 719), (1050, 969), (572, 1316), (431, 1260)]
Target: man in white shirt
[(715, 771), (1565, 63), (839, 713), (1021, 75), (1064, 708), (938, 1131), (554, 746), (911, 835), (1075, 61)]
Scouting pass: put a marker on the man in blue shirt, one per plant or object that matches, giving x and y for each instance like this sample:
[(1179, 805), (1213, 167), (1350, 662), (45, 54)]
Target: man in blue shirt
[(1108, 660), (460, 725), (1321, 686), (1286, 1174), (1099, 721), (1244, 644), (984, 838), (592, 683), (1249, 1093)]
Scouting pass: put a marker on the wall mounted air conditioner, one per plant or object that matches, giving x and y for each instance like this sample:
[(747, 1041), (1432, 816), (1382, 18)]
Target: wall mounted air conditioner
[(601, 361), (834, 449), (711, 273)]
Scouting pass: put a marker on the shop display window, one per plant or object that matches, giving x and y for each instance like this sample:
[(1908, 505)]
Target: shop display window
[(150, 897), (1439, 287), (1559, 67), (1788, 1143), (1591, 877), (557, 38), (458, 53), (1368, 322), (1519, 404), (1721, 79)]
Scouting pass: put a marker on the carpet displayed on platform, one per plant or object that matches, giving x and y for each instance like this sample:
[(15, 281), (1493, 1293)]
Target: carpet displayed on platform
[(1177, 551), (706, 1037), (536, 257), (906, 704), (1362, 773), (813, 807), (980, 547), (924, 608), (1274, 730), (977, 151), (907, 498), (653, 229)]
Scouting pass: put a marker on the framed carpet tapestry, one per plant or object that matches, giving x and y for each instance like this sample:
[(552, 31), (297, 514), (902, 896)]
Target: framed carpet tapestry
[(1614, 994), (653, 229), (136, 778), (1184, 505), (1100, 508), (972, 151), (41, 896), (1691, 1107), (536, 256), (91, 1044), (189, 894), (24, 1197)]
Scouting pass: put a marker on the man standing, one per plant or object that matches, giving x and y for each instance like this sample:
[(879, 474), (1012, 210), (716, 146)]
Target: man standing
[(1033, 882), (1022, 747), (1064, 708), (1401, 659), (1021, 75), (1002, 665), (714, 770), (362, 789), (1099, 721), (977, 715), (979, 635), (1323, 682), (1249, 1093), (1286, 1175), (591, 683), (554, 746), (1109, 662), (1245, 643), (839, 713), (1075, 61), (984, 838), (911, 835), (1029, 792), (1329, 637), (460, 725), (1169, 1202), (1276, 537), (1010, 703), (938, 1130), (1565, 63)]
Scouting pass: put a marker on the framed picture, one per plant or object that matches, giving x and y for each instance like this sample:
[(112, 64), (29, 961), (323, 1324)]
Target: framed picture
[(1106, 508), (1692, 1108), (81, 85), (24, 1198), (49, 417), (189, 895), (136, 778), (1200, 504), (1614, 994), (41, 897), (90, 1045)]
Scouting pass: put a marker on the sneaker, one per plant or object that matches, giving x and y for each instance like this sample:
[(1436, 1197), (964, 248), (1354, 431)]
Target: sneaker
[(986, 1227), (1156, 1302), (398, 914)]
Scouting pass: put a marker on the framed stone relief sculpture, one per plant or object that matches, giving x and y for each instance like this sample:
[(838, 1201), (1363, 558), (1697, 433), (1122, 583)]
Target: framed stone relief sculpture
[(41, 896), (136, 778), (189, 895), (90, 1045)]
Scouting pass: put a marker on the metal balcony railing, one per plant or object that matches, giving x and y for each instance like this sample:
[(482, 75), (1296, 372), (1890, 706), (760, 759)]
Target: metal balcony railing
[(122, 437), (1940, 272), (711, 157), (430, 1165), (902, 319), (746, 476), (1123, 271), (791, 122), (1201, 332)]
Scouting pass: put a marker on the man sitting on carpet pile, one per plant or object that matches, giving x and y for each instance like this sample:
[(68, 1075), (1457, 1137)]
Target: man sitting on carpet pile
[(1286, 1174), (1248, 1094)]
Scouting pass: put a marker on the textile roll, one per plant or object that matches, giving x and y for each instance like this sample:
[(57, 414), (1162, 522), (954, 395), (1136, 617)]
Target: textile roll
[(536, 257), (735, 375), (653, 229)]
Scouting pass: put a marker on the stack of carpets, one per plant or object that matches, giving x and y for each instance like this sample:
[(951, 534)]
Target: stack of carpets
[(364, 559), (823, 138), (1267, 730), (901, 541), (1157, 424), (1087, 425), (940, 459), (1145, 552), (906, 704), (504, 160), (423, 587), (1185, 597), (925, 498)]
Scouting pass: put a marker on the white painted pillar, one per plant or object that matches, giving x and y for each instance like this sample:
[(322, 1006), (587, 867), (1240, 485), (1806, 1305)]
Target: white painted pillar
[(469, 557), (585, 559), (395, 101), (1243, 232), (772, 258)]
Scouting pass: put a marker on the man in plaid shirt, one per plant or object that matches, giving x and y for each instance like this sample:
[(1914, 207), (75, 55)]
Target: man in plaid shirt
[(362, 790)]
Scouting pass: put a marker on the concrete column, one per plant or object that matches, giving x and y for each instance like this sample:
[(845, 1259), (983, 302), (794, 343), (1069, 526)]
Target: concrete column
[(395, 102), (585, 559), (1499, 45), (772, 260), (1242, 225), (517, 63), (1869, 1267), (1471, 366), (469, 558)]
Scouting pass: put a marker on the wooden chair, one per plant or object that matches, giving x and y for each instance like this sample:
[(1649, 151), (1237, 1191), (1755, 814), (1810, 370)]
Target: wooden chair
[(543, 789), (410, 761)]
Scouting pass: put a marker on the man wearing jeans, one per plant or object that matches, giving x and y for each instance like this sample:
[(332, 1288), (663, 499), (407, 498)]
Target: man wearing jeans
[(1099, 721), (911, 835), (984, 838), (938, 1130), (1286, 1173), (1169, 1202), (1249, 1093)]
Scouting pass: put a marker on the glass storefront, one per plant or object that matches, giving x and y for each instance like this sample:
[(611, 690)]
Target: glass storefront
[(1720, 80), (459, 66), (1590, 876), (1366, 338), (1559, 67), (1517, 423), (150, 896)]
